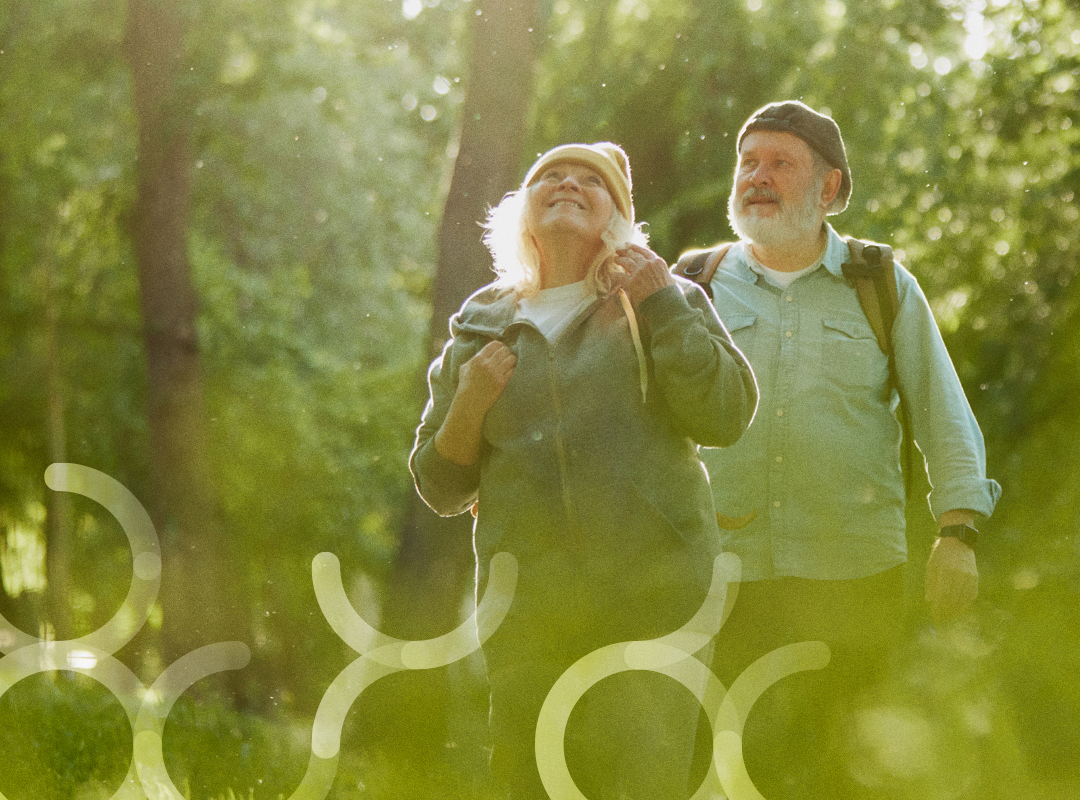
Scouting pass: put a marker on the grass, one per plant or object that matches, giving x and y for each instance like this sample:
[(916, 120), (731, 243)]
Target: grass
[(63, 736)]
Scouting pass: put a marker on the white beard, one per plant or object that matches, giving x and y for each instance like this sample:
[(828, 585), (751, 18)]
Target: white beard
[(790, 224)]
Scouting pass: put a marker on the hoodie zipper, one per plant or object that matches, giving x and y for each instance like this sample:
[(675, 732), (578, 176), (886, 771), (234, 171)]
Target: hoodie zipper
[(560, 446)]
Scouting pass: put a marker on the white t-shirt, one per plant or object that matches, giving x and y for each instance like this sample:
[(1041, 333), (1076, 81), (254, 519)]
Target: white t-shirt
[(553, 309), (775, 276)]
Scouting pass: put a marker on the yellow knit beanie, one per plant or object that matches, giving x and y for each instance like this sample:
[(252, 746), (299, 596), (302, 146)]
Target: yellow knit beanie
[(606, 158)]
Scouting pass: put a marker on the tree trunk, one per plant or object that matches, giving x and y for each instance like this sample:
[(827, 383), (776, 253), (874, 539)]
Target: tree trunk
[(196, 569), (58, 530), (434, 566), (502, 63)]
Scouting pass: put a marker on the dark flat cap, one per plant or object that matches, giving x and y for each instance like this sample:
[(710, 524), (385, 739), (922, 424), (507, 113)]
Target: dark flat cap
[(817, 130)]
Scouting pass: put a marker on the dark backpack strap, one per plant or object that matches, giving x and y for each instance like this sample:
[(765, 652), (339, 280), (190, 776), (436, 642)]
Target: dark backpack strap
[(700, 265), (872, 272)]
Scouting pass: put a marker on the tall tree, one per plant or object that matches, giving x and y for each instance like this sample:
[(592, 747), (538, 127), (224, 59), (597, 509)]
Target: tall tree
[(64, 93), (195, 583), (59, 517), (433, 567)]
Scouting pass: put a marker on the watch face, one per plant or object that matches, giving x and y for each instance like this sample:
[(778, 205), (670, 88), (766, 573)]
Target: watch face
[(965, 533)]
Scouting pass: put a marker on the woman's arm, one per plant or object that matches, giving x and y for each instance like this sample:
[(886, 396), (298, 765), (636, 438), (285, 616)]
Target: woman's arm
[(480, 383), (706, 381), (447, 472)]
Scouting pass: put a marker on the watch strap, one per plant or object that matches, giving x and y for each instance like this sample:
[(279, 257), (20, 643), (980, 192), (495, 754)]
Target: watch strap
[(965, 533)]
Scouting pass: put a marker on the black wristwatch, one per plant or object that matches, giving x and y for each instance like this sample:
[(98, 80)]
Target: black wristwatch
[(965, 533)]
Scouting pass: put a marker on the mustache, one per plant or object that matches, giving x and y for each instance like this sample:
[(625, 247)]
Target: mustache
[(758, 193)]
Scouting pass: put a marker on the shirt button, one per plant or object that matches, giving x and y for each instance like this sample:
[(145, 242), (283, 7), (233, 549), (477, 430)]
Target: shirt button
[(776, 504), (788, 298), (788, 334), (779, 412), (779, 459)]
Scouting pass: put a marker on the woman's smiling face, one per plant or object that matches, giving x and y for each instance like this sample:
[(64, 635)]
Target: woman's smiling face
[(571, 199)]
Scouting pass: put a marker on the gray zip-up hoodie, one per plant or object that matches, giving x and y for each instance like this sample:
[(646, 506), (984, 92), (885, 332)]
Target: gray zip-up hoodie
[(573, 456)]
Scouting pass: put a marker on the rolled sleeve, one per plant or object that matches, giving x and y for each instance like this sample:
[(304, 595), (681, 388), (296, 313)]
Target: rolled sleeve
[(448, 488), (941, 417)]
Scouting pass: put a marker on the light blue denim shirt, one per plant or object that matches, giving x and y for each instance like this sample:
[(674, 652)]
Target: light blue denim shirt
[(820, 463)]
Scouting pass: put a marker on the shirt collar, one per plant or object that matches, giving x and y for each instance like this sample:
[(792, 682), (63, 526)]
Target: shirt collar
[(836, 253)]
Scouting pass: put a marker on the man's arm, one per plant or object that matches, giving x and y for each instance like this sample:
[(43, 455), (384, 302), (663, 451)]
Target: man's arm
[(949, 437)]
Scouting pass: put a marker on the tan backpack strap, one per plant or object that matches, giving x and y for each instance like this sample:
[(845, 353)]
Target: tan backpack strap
[(699, 266)]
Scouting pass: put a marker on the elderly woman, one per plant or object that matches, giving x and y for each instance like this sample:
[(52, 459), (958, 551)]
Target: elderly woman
[(566, 411)]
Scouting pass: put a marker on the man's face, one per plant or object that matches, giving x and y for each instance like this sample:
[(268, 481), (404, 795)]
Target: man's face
[(776, 197)]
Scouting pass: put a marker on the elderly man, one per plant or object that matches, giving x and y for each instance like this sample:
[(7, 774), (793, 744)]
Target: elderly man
[(813, 494)]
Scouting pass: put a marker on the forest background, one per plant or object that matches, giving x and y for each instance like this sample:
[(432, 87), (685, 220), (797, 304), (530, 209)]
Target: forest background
[(230, 237)]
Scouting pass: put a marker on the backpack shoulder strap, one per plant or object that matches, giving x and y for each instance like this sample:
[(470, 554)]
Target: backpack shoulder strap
[(872, 271), (700, 265)]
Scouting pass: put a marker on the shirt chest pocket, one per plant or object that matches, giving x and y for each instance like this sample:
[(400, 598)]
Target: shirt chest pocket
[(741, 328), (850, 354)]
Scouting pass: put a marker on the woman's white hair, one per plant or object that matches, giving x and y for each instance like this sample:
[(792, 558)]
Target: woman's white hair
[(516, 260)]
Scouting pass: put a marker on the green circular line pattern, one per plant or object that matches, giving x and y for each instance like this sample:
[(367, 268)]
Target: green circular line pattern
[(149, 726), (145, 550), (87, 660)]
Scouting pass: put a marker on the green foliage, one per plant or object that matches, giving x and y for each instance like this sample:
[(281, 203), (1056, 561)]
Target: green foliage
[(64, 736), (313, 302), (320, 136), (323, 139), (65, 191), (213, 753), (318, 186), (941, 727)]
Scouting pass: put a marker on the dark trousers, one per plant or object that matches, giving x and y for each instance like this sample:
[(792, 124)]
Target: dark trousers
[(630, 737), (796, 736)]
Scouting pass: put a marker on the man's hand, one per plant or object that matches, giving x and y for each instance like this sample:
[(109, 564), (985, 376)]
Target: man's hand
[(952, 580), (646, 272)]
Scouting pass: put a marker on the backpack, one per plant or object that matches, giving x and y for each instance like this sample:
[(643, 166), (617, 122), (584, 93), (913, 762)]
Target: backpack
[(871, 271)]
